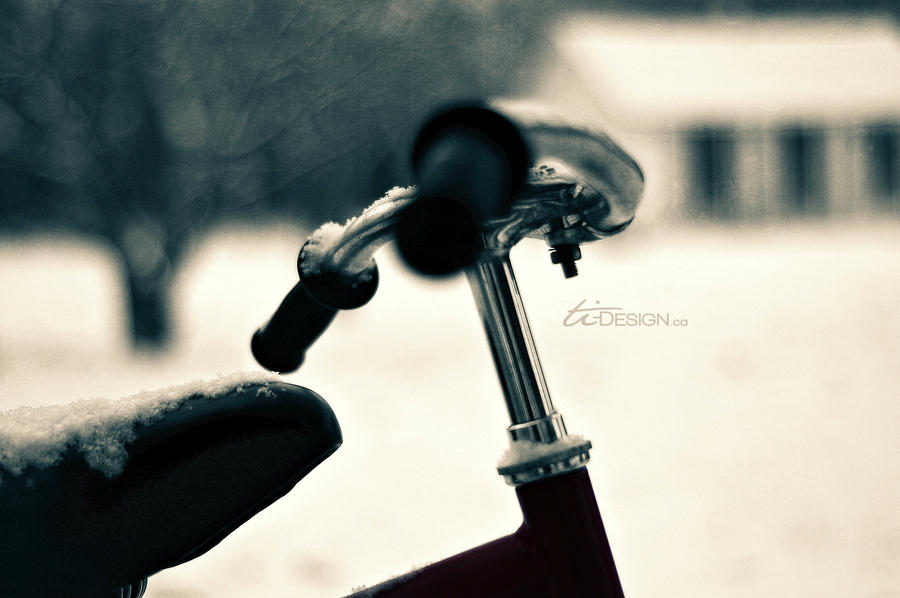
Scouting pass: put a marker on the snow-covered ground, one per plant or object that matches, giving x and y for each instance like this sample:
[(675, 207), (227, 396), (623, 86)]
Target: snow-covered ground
[(753, 452)]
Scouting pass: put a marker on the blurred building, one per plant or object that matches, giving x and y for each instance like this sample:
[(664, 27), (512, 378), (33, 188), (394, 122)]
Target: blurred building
[(743, 118)]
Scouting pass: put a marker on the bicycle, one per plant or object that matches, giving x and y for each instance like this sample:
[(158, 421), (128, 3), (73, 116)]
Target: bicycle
[(75, 513)]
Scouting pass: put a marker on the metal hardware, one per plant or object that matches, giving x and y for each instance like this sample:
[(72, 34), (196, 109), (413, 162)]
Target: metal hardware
[(551, 461), (564, 249), (565, 255)]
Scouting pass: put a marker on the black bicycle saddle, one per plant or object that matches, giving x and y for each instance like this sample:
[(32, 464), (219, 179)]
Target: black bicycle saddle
[(99, 496)]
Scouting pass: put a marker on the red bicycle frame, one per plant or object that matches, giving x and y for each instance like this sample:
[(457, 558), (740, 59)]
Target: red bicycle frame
[(560, 551)]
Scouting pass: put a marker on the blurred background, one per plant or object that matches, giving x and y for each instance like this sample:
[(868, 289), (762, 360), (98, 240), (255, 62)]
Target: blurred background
[(162, 162)]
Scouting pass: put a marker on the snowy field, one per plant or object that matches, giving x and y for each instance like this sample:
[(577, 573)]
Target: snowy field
[(752, 453)]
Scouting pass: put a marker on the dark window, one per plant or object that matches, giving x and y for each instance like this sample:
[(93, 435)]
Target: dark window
[(881, 145), (802, 165), (711, 152)]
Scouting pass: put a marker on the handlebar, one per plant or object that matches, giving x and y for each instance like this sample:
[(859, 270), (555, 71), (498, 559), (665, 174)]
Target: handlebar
[(470, 205), (468, 162), (280, 345)]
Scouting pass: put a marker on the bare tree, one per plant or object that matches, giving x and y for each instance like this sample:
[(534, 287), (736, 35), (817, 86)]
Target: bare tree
[(143, 123)]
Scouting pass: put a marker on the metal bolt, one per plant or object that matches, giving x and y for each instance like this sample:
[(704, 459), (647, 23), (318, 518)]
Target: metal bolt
[(565, 255)]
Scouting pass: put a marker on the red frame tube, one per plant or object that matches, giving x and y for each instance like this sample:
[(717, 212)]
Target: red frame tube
[(560, 551)]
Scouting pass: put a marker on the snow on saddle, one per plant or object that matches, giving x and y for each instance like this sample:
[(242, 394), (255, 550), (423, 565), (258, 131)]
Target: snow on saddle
[(98, 494)]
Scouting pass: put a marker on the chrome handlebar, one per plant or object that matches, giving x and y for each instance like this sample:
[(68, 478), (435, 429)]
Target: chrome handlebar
[(582, 187)]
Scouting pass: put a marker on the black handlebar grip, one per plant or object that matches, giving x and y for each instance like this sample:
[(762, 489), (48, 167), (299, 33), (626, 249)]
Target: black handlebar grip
[(469, 161), (280, 345)]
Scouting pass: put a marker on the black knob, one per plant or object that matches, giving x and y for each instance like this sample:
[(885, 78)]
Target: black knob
[(469, 161)]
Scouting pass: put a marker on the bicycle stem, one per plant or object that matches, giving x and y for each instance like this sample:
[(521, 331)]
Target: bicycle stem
[(535, 423), (340, 257), (589, 194), (515, 355)]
